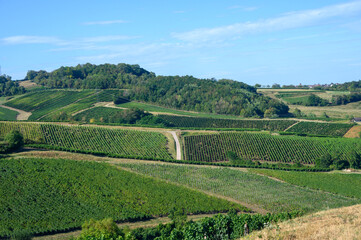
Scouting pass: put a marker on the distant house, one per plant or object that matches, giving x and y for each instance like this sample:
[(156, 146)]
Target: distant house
[(358, 119)]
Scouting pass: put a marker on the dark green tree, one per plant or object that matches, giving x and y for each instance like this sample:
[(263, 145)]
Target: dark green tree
[(15, 140)]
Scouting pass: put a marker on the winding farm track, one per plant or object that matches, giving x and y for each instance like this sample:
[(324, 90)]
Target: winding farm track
[(178, 147), (22, 114)]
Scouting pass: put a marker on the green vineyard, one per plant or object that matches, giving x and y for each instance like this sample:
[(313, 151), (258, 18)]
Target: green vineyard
[(196, 122), (44, 102), (52, 195), (105, 141), (318, 128), (258, 146)]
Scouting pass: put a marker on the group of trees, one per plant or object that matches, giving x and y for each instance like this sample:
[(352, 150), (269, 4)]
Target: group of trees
[(8, 87), (188, 93), (13, 141), (335, 162)]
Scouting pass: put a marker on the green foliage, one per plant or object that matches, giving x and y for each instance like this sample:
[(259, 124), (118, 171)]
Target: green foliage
[(178, 216), (187, 93), (260, 191), (97, 140), (258, 146), (42, 195), (44, 102), (7, 114), (101, 229), (321, 128), (8, 87), (354, 159), (324, 161), (15, 140), (339, 183), (120, 116), (198, 122)]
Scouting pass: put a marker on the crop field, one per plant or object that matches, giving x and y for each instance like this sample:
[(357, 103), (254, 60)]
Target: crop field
[(339, 183), (195, 122), (44, 102), (50, 195), (258, 146), (252, 189), (111, 142), (316, 128), (7, 114)]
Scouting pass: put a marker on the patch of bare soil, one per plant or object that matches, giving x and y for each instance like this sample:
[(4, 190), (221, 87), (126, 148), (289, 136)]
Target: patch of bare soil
[(354, 132), (22, 114)]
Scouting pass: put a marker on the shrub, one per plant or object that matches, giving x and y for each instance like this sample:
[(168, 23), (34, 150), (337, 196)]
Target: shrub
[(101, 229), (15, 140)]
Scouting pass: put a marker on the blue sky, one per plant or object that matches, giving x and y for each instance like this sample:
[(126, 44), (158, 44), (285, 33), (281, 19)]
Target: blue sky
[(259, 41)]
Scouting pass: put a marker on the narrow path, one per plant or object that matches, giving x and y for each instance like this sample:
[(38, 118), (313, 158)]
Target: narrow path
[(178, 147), (22, 114), (291, 126)]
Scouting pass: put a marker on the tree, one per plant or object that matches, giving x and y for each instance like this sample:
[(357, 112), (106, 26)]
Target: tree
[(354, 159), (101, 229), (276, 85), (15, 140), (325, 161)]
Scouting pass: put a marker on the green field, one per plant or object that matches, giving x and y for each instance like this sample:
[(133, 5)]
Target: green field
[(259, 191), (7, 114), (258, 146), (198, 122), (50, 195), (317, 128), (96, 140), (339, 183), (42, 103)]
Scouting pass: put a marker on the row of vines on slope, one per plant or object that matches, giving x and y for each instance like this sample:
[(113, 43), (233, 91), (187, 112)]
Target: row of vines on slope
[(256, 146), (114, 142)]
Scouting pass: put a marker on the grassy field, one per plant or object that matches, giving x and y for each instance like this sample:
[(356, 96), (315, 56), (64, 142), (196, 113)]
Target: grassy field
[(7, 114), (44, 195), (252, 189), (340, 183)]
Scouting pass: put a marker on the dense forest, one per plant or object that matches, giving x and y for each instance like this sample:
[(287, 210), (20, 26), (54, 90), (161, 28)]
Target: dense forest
[(188, 93), (8, 87)]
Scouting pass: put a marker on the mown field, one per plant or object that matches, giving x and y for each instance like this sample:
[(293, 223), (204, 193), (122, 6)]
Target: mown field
[(254, 190), (96, 140), (51, 195), (340, 183), (258, 146), (7, 114)]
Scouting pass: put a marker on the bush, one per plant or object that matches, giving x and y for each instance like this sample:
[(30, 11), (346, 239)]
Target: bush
[(101, 229), (15, 140)]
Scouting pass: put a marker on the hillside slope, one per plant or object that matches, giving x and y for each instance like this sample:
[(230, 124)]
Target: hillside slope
[(181, 92), (340, 223)]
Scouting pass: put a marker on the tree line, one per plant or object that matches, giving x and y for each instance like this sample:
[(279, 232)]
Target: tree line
[(181, 92)]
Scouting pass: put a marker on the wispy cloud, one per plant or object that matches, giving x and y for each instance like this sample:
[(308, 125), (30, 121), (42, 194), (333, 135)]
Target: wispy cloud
[(287, 21), (244, 8), (31, 40), (104, 22)]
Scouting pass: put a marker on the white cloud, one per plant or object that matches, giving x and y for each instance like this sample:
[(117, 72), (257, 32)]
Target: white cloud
[(287, 21), (105, 22), (107, 38), (243, 8), (31, 40)]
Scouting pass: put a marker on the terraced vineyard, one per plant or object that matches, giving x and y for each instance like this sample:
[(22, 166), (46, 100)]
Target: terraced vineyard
[(43, 102), (258, 146), (111, 142), (317, 128), (50, 195), (195, 122)]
